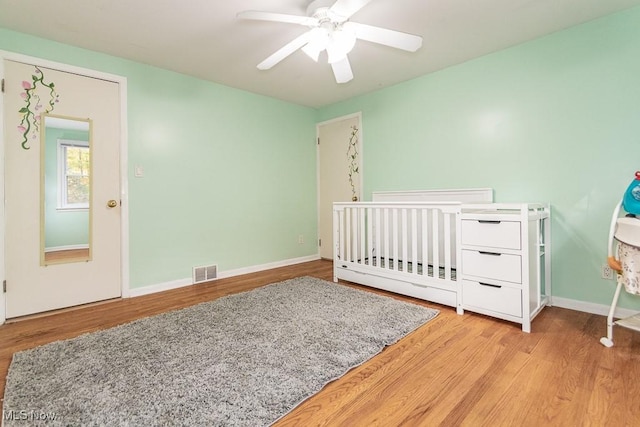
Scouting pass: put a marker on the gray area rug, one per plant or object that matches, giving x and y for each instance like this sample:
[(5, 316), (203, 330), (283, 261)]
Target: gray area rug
[(243, 360)]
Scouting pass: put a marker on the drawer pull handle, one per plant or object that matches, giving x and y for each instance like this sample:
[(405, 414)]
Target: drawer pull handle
[(490, 285), (487, 221), (489, 253)]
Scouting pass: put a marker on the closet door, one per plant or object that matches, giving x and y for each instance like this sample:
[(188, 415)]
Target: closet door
[(62, 189), (339, 172)]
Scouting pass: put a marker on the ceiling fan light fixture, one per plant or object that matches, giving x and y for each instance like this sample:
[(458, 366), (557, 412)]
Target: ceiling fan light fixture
[(319, 40), (340, 44), (334, 55), (344, 38)]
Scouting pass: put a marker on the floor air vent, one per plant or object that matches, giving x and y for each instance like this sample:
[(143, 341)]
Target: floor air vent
[(205, 273)]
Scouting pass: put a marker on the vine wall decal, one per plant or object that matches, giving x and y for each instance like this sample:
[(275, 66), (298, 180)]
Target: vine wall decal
[(352, 156), (29, 125)]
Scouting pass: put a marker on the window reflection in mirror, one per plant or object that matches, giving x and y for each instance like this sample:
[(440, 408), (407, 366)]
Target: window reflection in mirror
[(65, 200)]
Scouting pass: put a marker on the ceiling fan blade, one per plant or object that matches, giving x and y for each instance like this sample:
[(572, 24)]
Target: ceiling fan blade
[(344, 9), (342, 70), (285, 51), (277, 17), (404, 41)]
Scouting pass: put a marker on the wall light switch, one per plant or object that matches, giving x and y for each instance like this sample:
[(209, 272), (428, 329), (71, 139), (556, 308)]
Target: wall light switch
[(138, 171)]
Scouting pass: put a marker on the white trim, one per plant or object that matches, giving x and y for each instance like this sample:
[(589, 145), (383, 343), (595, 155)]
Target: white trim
[(3, 301), (268, 266), (357, 115), (124, 190), (124, 144), (59, 66), (591, 307), (66, 248), (175, 284), (464, 195), (159, 287), (341, 118)]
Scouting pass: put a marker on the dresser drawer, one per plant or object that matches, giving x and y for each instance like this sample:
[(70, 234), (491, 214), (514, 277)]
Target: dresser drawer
[(499, 299), (505, 267), (497, 234)]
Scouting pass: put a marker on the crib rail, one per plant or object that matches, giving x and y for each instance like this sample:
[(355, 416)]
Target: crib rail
[(417, 242)]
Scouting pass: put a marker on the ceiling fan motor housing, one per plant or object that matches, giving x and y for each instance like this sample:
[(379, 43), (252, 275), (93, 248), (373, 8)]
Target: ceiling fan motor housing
[(320, 9)]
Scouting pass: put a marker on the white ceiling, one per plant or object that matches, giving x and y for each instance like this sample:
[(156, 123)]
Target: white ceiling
[(204, 39)]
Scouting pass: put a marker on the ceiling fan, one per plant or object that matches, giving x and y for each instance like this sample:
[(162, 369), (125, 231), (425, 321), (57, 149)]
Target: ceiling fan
[(331, 30)]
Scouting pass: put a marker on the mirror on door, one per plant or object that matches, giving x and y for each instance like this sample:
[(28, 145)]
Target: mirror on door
[(65, 189)]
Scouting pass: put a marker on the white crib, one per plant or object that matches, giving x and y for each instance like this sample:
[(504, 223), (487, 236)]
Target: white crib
[(407, 242), (418, 248), (409, 248)]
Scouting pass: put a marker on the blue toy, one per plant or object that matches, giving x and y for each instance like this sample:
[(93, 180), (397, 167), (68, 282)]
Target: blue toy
[(631, 199)]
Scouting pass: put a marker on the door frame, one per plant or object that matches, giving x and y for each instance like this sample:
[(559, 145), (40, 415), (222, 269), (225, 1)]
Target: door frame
[(357, 115), (124, 205)]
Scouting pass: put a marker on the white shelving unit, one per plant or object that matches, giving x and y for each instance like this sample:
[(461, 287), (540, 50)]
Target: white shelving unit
[(506, 260), (631, 322)]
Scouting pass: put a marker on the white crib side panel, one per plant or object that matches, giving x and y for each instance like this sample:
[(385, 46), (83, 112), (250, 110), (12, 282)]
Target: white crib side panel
[(410, 245)]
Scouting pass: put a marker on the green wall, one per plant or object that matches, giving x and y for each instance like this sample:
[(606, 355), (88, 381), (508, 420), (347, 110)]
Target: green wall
[(62, 228), (556, 120), (229, 176)]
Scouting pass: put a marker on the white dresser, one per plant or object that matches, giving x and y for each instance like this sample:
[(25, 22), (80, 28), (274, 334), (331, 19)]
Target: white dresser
[(506, 260)]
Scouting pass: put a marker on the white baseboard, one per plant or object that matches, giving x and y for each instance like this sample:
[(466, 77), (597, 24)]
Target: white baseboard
[(590, 307), (175, 284), (159, 287)]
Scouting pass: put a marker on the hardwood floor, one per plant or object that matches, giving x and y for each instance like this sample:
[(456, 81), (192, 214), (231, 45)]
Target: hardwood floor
[(468, 370), (69, 255)]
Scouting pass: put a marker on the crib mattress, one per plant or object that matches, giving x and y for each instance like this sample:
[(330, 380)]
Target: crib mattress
[(430, 269)]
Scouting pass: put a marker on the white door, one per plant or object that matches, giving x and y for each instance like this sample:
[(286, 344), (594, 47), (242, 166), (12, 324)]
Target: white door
[(35, 283), (339, 172)]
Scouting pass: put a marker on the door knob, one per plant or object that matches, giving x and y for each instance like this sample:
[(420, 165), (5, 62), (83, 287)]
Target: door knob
[(112, 203)]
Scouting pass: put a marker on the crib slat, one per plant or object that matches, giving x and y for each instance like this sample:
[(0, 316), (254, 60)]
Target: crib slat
[(354, 238), (414, 241), (394, 223), (335, 233), (447, 246), (378, 240), (435, 247), (347, 234), (425, 242), (369, 256), (362, 250), (387, 237), (341, 235), (405, 237)]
